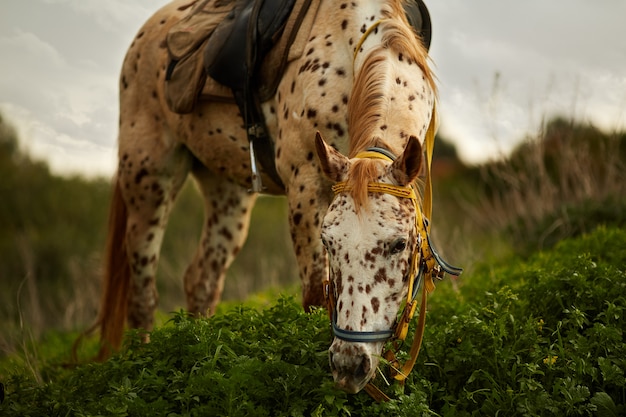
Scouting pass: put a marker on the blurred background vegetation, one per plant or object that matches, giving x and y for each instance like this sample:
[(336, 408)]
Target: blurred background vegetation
[(564, 181)]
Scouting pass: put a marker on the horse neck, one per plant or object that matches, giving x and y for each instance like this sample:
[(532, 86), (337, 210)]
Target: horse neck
[(353, 12), (393, 94), (391, 119), (344, 22)]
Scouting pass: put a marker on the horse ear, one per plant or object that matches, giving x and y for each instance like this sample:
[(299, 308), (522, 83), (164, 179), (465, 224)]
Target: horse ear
[(407, 167), (334, 164)]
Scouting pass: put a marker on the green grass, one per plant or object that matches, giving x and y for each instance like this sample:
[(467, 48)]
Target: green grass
[(535, 336)]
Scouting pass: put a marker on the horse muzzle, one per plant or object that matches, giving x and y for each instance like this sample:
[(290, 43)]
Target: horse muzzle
[(352, 364)]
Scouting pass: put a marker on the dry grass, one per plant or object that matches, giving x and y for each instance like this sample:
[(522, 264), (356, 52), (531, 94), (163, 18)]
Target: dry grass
[(546, 173), (562, 182)]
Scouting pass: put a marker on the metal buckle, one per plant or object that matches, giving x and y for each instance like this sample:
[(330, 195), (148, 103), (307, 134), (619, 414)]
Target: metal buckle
[(257, 184)]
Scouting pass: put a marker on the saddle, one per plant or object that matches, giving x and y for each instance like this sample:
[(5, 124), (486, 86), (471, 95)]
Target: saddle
[(222, 48), (237, 50), (213, 21), (232, 56)]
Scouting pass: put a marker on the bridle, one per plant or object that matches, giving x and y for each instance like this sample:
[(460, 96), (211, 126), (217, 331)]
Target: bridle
[(426, 264)]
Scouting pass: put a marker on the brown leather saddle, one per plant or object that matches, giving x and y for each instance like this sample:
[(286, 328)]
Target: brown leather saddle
[(233, 56), (236, 50)]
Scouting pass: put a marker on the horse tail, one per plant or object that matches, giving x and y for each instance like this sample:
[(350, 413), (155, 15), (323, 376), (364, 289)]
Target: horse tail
[(116, 281)]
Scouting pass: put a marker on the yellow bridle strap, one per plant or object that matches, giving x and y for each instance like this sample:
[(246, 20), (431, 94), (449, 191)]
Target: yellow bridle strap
[(379, 187), (429, 141), (429, 261), (365, 35)]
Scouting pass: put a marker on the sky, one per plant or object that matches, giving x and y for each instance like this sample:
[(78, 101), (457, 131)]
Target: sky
[(503, 69)]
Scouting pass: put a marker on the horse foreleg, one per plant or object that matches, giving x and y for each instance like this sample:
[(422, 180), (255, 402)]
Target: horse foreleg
[(227, 216), (307, 205)]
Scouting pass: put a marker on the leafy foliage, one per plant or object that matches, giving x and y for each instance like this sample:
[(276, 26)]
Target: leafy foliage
[(543, 336), (537, 337), (243, 362)]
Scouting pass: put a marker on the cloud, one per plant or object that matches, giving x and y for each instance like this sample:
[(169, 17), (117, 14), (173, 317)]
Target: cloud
[(63, 153), (60, 111), (111, 15), (503, 68), (506, 67), (59, 85), (31, 49)]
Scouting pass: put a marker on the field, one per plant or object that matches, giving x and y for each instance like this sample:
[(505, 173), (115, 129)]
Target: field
[(534, 327)]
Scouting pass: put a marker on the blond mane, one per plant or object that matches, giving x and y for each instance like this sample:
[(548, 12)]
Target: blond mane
[(365, 106), (362, 172)]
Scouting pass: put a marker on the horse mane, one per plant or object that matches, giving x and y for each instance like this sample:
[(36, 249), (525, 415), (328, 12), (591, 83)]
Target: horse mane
[(362, 172), (367, 101)]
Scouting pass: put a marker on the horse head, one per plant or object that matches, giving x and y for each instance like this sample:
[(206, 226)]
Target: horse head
[(370, 235)]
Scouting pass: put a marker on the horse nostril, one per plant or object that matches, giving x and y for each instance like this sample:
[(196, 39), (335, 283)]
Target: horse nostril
[(364, 367)]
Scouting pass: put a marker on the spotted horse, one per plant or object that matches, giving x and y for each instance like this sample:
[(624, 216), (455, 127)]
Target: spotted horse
[(348, 121)]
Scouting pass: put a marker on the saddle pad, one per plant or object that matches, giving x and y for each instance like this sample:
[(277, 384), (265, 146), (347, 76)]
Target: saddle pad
[(185, 76), (191, 31)]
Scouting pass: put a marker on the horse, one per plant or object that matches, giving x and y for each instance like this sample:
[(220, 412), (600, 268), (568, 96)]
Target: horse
[(354, 109)]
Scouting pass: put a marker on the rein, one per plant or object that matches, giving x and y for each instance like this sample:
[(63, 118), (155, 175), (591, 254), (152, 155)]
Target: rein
[(426, 264), (364, 37)]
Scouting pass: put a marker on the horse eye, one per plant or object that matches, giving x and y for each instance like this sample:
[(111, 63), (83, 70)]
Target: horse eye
[(397, 246)]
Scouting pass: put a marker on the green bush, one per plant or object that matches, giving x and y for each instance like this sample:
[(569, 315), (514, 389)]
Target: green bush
[(243, 362), (543, 336), (537, 337)]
